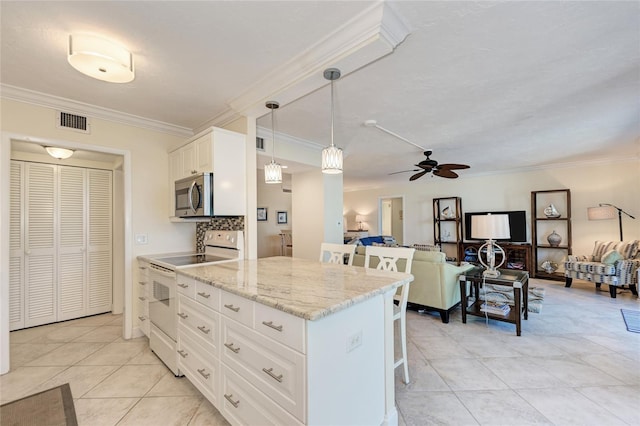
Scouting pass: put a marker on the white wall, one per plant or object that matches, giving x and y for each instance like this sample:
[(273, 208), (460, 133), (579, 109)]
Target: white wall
[(308, 207), (590, 184), (145, 180), (274, 199)]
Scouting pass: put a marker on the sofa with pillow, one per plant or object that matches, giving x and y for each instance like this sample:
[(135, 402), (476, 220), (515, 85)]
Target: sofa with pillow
[(435, 285), (612, 262)]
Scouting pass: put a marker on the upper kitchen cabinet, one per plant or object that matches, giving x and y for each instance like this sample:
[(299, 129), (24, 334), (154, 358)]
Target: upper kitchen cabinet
[(221, 152)]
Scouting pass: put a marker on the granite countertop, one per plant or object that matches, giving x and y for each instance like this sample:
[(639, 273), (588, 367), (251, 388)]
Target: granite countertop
[(304, 288)]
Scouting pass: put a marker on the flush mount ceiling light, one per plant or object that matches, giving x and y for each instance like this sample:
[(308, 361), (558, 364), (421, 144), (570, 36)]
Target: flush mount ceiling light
[(100, 58), (59, 153), (332, 155), (273, 170)]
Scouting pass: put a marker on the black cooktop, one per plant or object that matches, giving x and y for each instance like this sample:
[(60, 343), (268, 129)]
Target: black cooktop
[(191, 259)]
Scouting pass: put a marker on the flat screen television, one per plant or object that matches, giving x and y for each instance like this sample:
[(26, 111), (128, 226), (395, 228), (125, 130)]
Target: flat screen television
[(517, 225)]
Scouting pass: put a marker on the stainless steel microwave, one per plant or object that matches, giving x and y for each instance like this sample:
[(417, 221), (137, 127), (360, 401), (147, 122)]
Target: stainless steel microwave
[(194, 196)]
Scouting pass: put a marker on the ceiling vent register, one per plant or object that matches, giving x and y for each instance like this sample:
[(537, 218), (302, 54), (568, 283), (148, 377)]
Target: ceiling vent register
[(74, 122)]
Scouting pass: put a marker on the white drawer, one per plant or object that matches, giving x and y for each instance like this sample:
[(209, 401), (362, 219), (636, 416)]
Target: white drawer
[(243, 404), (202, 321), (208, 295), (142, 319), (186, 285), (238, 308), (199, 366), (275, 369), (283, 327), (142, 306)]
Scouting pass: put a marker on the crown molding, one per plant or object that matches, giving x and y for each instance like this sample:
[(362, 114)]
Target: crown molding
[(364, 39), (42, 99)]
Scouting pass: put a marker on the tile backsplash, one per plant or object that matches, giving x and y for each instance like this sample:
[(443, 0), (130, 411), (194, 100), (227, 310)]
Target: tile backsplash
[(222, 223)]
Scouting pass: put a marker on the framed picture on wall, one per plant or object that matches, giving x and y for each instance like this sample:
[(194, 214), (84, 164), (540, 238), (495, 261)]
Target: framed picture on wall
[(282, 218), (262, 214)]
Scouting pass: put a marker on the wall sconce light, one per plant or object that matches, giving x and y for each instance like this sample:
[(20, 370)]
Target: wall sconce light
[(332, 155), (100, 59), (59, 153)]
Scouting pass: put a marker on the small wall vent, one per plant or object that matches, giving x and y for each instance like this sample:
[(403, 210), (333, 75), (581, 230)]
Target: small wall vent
[(260, 144), (74, 122)]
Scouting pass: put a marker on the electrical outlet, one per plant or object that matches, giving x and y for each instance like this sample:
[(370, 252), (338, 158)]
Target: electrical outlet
[(141, 239), (354, 341)]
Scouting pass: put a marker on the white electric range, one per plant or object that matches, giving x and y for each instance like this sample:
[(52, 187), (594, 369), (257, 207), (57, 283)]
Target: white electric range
[(220, 246)]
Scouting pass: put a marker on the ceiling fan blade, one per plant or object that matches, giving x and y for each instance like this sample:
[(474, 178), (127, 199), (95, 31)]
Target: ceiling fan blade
[(404, 171), (450, 166), (445, 173), (418, 175)]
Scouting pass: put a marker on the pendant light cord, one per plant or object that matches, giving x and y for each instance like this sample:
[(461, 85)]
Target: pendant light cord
[(332, 104), (273, 137)]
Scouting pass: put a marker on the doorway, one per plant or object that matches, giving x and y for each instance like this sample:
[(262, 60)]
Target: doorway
[(391, 217)]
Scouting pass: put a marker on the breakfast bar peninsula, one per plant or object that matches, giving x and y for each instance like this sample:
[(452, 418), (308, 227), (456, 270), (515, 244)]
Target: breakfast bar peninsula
[(288, 341)]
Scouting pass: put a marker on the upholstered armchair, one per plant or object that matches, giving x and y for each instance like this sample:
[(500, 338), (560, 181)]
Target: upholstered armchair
[(612, 262), (435, 285)]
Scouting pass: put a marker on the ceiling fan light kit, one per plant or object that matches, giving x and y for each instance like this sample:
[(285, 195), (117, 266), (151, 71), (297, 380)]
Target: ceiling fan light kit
[(332, 155), (100, 58), (273, 170)]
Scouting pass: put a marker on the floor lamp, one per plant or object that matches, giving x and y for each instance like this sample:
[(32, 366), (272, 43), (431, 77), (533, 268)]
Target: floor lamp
[(490, 227), (607, 211)]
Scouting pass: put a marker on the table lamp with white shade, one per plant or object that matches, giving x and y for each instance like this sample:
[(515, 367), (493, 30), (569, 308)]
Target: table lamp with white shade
[(490, 227)]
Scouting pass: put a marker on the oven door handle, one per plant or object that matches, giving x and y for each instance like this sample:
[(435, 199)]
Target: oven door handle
[(168, 274)]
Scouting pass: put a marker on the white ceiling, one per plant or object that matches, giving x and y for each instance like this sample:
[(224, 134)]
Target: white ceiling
[(498, 86)]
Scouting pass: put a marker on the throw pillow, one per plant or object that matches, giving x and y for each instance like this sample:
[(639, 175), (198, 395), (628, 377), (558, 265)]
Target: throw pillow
[(611, 257)]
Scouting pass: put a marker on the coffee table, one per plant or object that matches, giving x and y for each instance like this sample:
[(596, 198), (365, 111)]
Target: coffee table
[(518, 280)]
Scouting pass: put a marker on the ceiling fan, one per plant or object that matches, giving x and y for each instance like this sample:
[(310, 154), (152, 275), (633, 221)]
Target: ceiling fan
[(427, 165)]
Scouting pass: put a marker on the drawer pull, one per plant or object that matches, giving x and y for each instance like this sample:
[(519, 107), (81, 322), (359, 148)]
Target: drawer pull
[(270, 324), (233, 308), (141, 318), (142, 283), (230, 346), (203, 374), (183, 315), (144, 268), (204, 329), (273, 376), (205, 295), (181, 285), (182, 353), (142, 298), (228, 398)]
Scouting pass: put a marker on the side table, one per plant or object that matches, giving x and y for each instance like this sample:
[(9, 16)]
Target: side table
[(518, 280)]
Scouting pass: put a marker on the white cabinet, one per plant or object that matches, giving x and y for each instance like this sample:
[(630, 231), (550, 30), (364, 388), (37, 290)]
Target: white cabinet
[(142, 297), (221, 353), (222, 152), (60, 243)]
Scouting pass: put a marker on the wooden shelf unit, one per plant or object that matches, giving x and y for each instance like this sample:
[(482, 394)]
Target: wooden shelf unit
[(447, 231), (542, 226)]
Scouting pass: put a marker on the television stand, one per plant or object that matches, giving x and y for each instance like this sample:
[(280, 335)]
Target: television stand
[(518, 255)]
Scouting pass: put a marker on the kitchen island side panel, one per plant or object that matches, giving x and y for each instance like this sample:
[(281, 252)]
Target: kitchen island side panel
[(346, 366)]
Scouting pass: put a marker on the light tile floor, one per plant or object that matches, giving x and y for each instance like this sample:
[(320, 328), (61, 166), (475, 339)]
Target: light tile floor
[(575, 364)]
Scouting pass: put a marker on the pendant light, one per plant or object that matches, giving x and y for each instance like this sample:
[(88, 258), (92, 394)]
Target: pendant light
[(273, 170), (332, 155)]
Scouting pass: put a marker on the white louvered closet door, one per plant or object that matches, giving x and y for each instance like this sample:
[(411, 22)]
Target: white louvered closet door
[(72, 240), (40, 244), (100, 277), (16, 248)]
